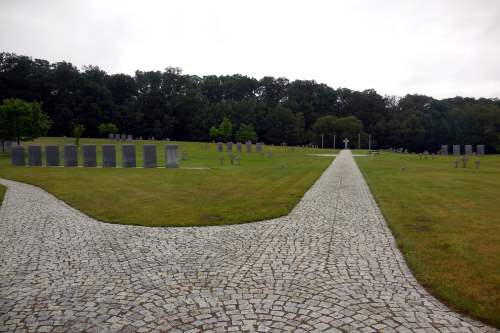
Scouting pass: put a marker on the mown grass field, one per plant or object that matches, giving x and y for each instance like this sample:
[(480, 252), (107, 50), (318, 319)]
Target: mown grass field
[(447, 223), (260, 188)]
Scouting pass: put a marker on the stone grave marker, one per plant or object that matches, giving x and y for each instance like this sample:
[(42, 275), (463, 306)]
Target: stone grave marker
[(128, 156), (456, 150), (111, 136), (17, 156), (230, 147), (70, 156), (248, 145), (468, 150), (220, 148), (130, 137), (109, 156), (258, 147), (238, 147), (89, 156), (171, 156), (465, 159), (52, 155), (480, 149), (149, 156), (35, 155), (444, 150), (346, 142)]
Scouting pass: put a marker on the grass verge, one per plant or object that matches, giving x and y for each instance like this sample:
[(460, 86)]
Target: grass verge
[(262, 187), (447, 224)]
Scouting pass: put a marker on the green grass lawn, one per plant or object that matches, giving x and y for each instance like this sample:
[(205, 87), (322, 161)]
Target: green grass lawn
[(260, 188), (447, 223)]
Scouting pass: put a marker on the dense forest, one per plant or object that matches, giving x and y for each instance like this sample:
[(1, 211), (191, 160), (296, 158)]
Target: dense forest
[(180, 106)]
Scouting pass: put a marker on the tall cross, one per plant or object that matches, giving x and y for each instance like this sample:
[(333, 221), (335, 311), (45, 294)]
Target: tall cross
[(346, 141)]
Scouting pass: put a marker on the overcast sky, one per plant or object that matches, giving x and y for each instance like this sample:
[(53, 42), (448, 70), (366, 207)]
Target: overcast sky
[(442, 48)]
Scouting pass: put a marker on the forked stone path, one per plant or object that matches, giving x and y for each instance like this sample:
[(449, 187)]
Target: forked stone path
[(331, 265)]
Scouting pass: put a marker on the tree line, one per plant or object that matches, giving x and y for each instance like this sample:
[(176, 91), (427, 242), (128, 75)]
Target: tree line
[(171, 104)]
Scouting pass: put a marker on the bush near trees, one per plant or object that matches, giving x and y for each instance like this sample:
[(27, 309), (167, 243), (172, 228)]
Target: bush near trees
[(78, 130), (107, 128), (246, 133), (185, 107), (22, 120)]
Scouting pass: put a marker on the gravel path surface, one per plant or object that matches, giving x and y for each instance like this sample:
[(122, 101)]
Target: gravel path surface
[(331, 265)]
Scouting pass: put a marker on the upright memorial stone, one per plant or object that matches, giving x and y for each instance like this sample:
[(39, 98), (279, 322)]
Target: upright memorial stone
[(248, 145), (17, 156), (456, 149), (117, 137), (480, 149), (109, 156), (444, 150), (149, 156), (238, 147), (130, 137), (35, 155), (128, 156), (7, 145), (230, 147), (52, 155), (258, 147), (124, 137), (89, 156), (220, 148), (70, 156), (111, 136), (171, 156), (468, 149)]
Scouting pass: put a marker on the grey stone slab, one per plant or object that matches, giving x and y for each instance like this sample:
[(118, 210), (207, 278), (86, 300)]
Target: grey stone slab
[(111, 136), (130, 137), (229, 146), (128, 156), (70, 156), (258, 147), (220, 147), (89, 156), (468, 149), (52, 157), (35, 155), (124, 137), (7, 145), (248, 145), (171, 156), (444, 150), (17, 155), (456, 149), (118, 137), (149, 156), (109, 156), (480, 149), (238, 147)]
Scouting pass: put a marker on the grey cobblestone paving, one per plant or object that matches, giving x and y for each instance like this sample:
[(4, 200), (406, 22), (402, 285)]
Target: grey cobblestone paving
[(331, 265)]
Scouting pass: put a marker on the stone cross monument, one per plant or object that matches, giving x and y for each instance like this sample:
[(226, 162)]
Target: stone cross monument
[(346, 141)]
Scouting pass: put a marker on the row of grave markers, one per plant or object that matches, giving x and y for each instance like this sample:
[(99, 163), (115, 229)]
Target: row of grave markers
[(52, 156), (457, 150), (239, 147)]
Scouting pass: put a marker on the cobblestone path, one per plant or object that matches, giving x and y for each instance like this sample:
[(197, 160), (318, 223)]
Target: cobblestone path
[(331, 265)]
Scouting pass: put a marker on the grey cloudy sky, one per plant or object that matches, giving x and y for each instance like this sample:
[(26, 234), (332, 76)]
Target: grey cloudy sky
[(442, 48)]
